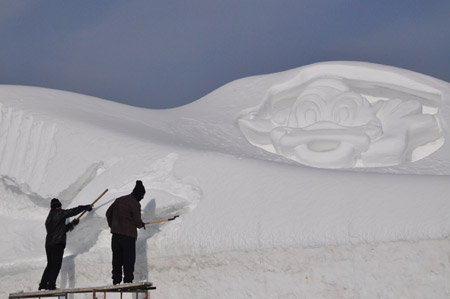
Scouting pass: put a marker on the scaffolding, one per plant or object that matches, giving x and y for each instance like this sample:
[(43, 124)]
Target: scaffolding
[(137, 288)]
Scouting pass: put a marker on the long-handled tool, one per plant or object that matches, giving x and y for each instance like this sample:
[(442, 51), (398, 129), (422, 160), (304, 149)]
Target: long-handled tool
[(93, 203), (162, 220)]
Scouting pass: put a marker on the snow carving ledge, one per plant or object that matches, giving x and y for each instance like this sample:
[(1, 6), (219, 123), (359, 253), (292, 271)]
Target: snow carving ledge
[(345, 115)]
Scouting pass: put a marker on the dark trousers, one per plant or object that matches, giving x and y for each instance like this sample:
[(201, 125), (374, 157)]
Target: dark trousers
[(54, 261), (123, 257)]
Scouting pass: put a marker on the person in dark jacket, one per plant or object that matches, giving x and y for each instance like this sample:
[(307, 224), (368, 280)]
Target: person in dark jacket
[(124, 217), (55, 242)]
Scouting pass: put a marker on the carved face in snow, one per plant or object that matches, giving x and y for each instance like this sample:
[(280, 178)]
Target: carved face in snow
[(326, 124)]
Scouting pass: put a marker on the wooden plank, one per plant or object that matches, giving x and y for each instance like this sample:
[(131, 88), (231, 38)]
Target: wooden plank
[(137, 286)]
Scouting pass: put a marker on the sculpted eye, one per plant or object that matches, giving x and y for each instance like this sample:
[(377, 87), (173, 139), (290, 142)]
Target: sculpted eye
[(344, 111), (305, 111), (308, 113), (310, 116), (342, 115)]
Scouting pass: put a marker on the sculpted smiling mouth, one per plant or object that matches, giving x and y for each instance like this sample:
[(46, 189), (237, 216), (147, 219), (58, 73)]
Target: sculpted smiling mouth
[(323, 143)]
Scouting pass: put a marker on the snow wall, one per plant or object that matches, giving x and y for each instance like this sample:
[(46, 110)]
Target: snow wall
[(262, 215)]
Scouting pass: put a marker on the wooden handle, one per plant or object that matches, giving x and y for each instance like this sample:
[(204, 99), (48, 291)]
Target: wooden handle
[(162, 220), (93, 203)]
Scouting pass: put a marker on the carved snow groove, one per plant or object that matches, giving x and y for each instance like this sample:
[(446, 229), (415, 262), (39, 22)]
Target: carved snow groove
[(329, 123), (26, 146)]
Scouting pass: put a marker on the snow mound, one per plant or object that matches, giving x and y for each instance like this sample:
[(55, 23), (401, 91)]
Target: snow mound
[(244, 209)]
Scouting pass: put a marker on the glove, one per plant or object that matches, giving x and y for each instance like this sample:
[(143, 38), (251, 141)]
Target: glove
[(71, 225), (88, 208)]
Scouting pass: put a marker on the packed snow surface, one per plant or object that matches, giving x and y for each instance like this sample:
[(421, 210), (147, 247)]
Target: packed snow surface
[(262, 214)]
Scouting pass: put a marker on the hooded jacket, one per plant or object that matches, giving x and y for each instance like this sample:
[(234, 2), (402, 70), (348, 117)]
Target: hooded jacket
[(56, 224), (124, 216)]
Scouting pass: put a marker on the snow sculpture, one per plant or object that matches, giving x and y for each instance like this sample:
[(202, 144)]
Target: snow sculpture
[(335, 122)]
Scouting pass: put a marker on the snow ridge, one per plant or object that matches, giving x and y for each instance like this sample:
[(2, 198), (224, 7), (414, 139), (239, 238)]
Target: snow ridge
[(27, 145)]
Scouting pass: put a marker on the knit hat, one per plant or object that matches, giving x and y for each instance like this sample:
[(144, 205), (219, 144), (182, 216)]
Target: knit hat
[(55, 203), (138, 190)]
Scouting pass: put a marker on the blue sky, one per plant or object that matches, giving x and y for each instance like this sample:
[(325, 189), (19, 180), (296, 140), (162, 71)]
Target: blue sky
[(162, 54)]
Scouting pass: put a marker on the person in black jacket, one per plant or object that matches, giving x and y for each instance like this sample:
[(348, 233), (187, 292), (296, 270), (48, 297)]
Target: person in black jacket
[(55, 242), (124, 217)]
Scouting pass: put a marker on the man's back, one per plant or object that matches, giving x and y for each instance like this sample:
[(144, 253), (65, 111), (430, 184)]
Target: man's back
[(124, 216)]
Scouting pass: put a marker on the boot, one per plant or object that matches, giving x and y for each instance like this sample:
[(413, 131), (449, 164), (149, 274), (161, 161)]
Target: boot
[(42, 287)]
